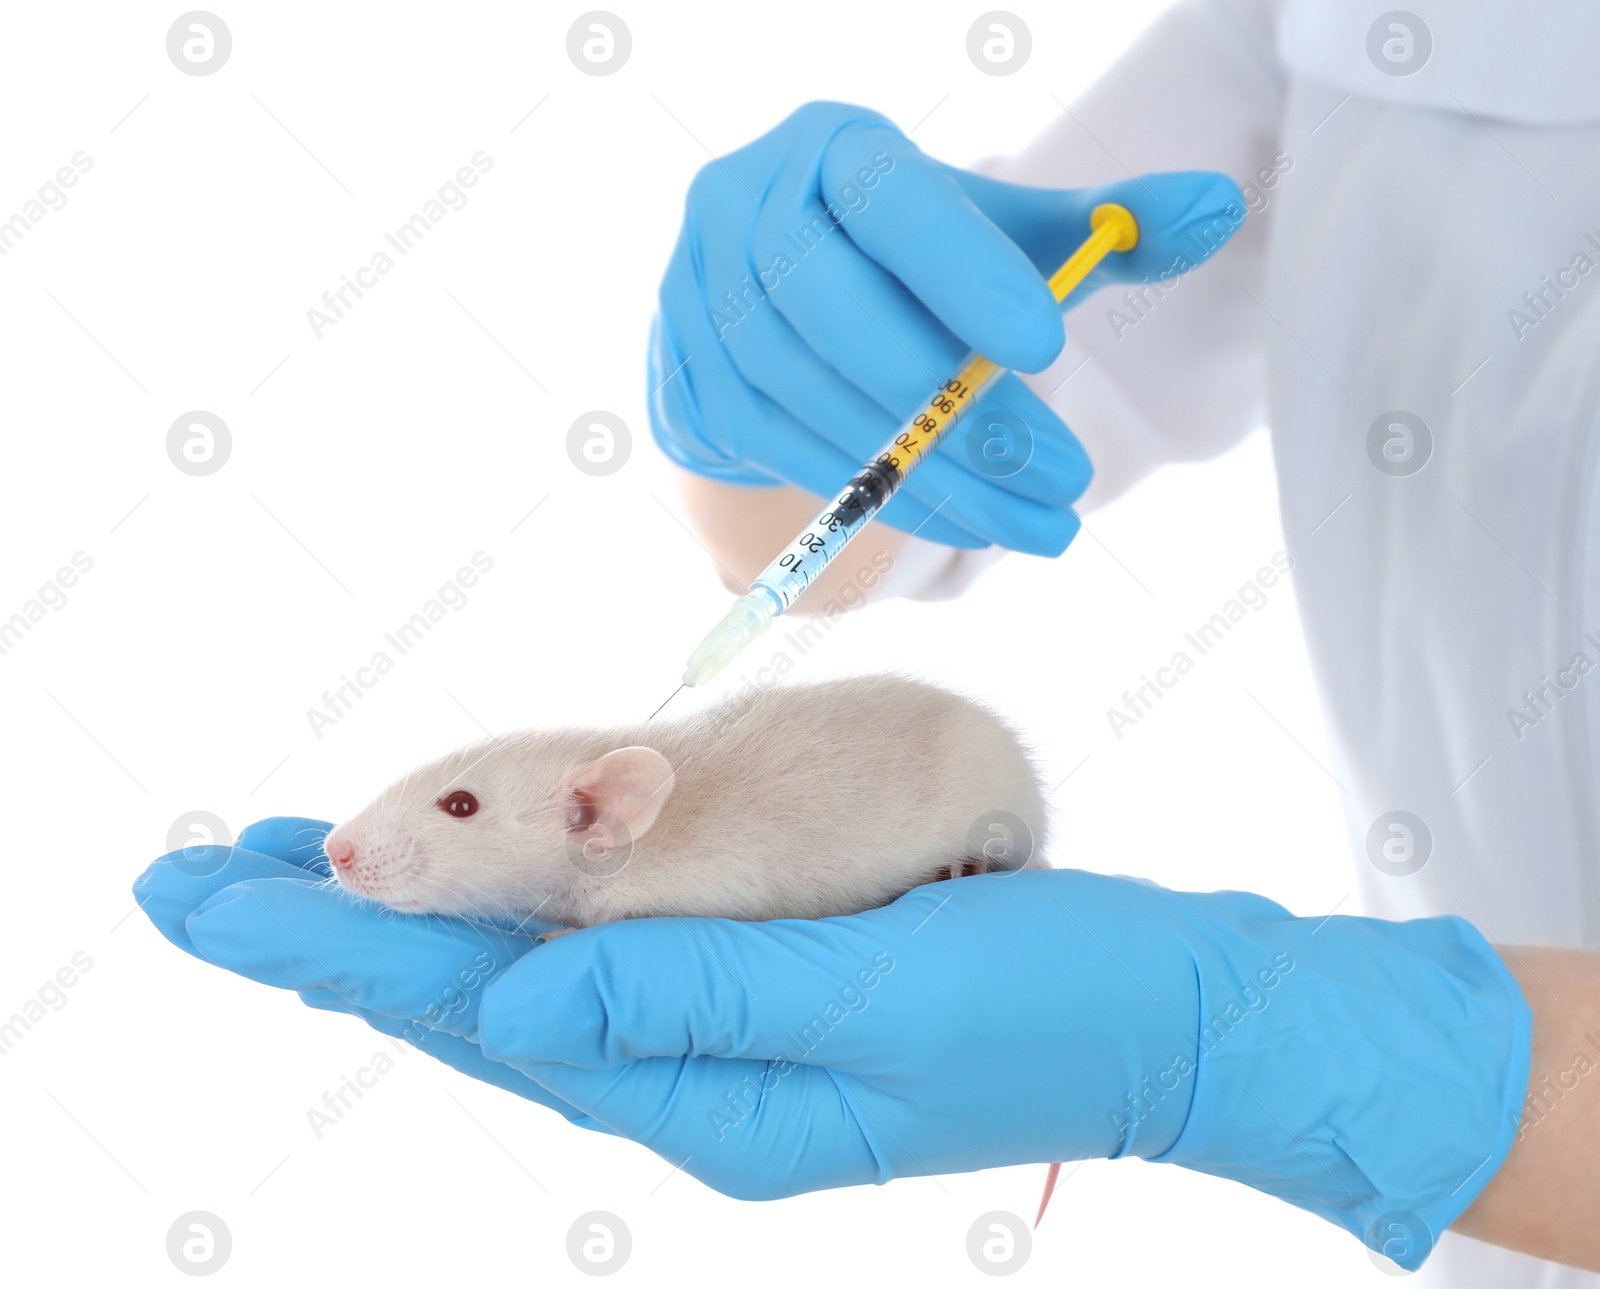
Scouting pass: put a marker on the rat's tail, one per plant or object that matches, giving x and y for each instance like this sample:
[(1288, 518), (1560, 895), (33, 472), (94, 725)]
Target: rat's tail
[(1049, 1189)]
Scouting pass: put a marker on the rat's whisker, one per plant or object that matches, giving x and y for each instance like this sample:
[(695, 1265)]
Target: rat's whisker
[(458, 886)]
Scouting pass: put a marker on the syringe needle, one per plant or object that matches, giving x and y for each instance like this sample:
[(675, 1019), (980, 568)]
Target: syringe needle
[(670, 697)]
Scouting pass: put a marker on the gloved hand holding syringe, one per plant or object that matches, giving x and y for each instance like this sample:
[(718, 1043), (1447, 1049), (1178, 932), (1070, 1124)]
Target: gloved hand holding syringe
[(786, 578)]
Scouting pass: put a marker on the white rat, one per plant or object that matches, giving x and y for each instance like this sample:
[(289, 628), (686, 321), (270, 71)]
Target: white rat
[(800, 801)]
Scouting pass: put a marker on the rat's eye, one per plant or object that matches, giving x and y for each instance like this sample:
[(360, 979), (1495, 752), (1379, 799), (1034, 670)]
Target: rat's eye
[(459, 804)]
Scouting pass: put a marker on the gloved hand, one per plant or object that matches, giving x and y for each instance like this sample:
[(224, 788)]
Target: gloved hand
[(1366, 1071), (790, 344), (1356, 1068)]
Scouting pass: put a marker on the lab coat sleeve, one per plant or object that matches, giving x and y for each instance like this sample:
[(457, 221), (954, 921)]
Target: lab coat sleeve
[(1153, 376), (1163, 375)]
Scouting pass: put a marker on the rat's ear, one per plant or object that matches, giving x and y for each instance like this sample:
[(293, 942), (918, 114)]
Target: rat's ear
[(630, 784)]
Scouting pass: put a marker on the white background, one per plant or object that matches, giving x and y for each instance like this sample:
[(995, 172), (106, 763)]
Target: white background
[(368, 465)]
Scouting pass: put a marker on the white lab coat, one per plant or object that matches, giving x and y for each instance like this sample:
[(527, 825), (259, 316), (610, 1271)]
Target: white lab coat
[(1387, 265)]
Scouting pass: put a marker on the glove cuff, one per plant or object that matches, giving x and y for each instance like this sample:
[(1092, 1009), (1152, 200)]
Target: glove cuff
[(1370, 1072)]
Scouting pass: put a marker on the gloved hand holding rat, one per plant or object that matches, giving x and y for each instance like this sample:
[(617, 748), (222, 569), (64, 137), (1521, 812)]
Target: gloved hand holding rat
[(773, 1002), (1104, 1016)]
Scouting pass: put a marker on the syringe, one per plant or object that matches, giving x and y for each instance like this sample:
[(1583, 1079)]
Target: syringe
[(782, 581)]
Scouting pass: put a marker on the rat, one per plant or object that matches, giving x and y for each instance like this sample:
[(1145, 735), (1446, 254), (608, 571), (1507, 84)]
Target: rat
[(760, 807), (756, 808)]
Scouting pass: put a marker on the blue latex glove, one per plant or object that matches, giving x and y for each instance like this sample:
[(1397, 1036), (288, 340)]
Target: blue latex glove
[(1366, 1071), (789, 345), (1356, 1068)]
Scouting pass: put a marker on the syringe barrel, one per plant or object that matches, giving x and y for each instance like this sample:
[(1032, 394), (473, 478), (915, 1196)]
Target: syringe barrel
[(798, 565)]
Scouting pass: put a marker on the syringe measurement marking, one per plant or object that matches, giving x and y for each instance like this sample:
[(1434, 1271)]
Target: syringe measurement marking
[(872, 487)]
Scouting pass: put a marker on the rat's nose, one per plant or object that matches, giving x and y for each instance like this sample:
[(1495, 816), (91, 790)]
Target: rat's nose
[(341, 851)]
